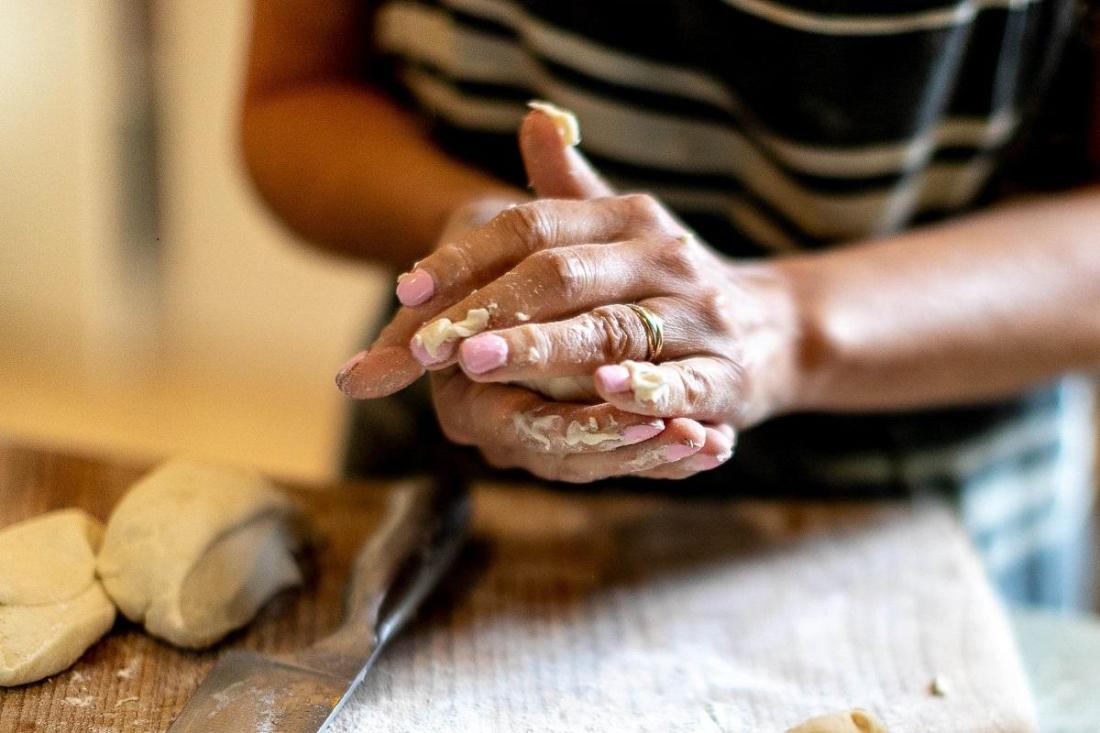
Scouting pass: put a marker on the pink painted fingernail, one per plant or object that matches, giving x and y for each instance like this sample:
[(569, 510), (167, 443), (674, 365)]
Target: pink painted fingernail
[(705, 463), (638, 433), (680, 451), (483, 353), (446, 349), (348, 368), (613, 378), (414, 288)]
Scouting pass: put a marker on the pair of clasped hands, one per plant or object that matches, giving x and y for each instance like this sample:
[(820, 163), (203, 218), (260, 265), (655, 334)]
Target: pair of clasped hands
[(556, 275)]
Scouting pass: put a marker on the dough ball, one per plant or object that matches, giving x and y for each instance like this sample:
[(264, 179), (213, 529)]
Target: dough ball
[(194, 551), (850, 721), (51, 606)]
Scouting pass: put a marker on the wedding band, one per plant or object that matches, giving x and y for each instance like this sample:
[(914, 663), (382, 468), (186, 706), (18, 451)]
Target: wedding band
[(654, 330)]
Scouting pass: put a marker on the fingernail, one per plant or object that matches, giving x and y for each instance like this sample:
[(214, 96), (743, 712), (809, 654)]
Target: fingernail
[(680, 451), (414, 288), (483, 353), (346, 370), (613, 378), (705, 463), (446, 349), (638, 433)]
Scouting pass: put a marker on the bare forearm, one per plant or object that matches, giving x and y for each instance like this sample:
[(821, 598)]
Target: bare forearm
[(353, 173), (965, 311)]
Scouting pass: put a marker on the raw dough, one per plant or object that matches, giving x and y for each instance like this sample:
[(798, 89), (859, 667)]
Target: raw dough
[(850, 721), (194, 551), (51, 606), (436, 333), (563, 119), (648, 382)]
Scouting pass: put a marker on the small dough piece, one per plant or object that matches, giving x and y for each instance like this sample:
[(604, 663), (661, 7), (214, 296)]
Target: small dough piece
[(940, 686), (850, 721), (563, 119), (49, 558), (38, 641), (51, 606), (436, 333), (648, 382), (194, 551)]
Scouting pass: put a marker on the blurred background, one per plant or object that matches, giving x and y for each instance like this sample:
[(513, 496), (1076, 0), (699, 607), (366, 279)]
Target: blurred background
[(148, 304)]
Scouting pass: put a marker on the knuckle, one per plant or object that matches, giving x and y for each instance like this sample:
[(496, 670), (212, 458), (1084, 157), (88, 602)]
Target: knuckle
[(673, 258), (696, 385), (535, 346), (710, 308), (528, 224), (619, 332), (642, 207), (455, 258), (567, 273)]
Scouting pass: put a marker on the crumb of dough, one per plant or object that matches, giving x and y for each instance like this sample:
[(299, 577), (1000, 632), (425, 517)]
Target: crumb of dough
[(940, 686), (563, 119), (127, 672), (522, 317), (436, 333), (536, 429), (589, 433), (850, 721), (648, 382), (80, 702), (125, 700)]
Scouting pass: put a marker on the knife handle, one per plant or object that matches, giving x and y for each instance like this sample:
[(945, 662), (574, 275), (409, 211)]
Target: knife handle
[(422, 531)]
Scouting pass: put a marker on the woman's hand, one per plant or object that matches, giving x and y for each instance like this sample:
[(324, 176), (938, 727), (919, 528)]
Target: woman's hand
[(516, 428), (555, 277), (562, 311)]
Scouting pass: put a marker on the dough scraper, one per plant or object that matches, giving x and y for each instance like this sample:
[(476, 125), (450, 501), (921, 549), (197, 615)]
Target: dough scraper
[(424, 527)]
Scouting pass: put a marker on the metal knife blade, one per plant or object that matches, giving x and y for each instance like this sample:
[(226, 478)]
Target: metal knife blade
[(246, 692)]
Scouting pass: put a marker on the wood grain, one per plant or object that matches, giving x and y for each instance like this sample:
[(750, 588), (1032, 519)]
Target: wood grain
[(130, 682)]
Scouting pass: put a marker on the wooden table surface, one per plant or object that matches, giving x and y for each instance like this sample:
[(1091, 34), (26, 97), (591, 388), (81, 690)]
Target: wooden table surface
[(130, 681), (534, 555)]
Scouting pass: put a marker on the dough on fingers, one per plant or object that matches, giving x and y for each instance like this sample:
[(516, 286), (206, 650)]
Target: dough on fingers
[(51, 606), (193, 551)]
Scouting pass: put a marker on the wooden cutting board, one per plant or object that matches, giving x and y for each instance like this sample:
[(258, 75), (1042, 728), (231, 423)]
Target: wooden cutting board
[(130, 682)]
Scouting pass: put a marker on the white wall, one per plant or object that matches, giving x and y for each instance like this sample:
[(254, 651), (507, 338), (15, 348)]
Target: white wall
[(230, 351)]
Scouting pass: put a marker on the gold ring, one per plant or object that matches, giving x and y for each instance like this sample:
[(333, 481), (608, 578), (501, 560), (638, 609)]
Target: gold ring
[(654, 330)]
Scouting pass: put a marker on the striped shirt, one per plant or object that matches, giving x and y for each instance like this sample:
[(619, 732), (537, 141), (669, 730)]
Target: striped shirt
[(777, 126)]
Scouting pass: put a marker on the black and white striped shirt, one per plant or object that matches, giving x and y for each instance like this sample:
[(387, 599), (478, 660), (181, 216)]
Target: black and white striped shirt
[(776, 126)]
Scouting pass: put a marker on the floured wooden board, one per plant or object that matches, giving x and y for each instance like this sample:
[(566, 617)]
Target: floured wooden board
[(593, 613)]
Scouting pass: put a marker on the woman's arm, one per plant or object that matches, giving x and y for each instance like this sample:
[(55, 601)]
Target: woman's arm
[(342, 165), (976, 308), (979, 307)]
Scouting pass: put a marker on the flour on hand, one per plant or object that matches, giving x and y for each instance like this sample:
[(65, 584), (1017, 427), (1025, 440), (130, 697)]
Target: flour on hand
[(438, 332)]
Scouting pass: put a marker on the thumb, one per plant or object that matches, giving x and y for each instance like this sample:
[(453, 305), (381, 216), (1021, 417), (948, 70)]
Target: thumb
[(556, 169)]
